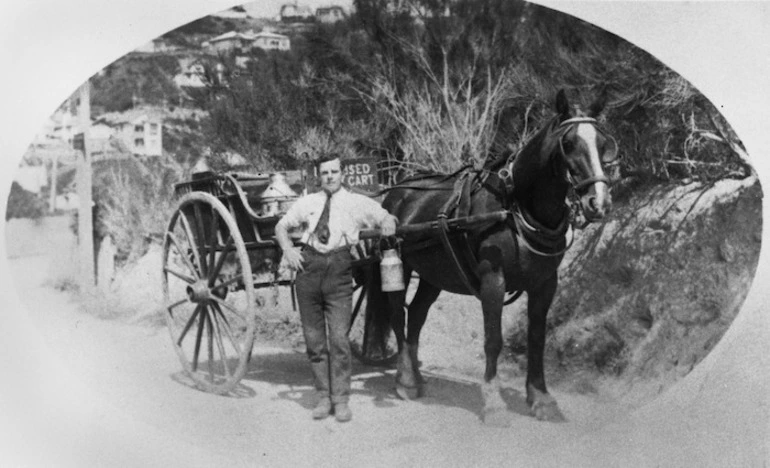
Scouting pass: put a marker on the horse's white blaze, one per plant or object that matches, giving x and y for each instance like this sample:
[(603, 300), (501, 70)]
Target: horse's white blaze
[(587, 132)]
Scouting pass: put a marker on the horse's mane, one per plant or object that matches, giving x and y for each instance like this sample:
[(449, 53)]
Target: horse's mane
[(496, 161)]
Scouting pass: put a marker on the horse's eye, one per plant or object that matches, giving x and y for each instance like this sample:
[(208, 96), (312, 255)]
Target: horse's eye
[(567, 146)]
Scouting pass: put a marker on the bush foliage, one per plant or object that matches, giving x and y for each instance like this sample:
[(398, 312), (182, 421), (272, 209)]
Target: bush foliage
[(428, 84), (23, 203), (135, 77)]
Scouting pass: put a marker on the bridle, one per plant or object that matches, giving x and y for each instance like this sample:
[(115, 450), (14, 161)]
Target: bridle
[(609, 157), (526, 232)]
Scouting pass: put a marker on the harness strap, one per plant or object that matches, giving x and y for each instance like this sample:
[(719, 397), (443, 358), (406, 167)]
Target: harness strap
[(575, 120), (512, 299), (460, 199), (591, 180), (523, 228), (459, 204), (443, 232)]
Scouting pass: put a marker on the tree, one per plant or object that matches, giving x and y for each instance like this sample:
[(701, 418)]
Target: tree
[(23, 203)]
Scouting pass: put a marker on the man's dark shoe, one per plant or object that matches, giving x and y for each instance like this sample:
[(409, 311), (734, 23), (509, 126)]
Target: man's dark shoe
[(322, 409), (342, 412)]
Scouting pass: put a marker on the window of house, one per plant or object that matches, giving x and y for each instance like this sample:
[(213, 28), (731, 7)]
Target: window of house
[(139, 142), (153, 129), (139, 128)]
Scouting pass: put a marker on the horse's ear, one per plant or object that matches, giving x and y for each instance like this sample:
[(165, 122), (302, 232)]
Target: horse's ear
[(562, 104), (598, 105)]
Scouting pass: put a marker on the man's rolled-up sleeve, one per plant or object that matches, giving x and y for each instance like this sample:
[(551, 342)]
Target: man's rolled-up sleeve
[(294, 216), (372, 212)]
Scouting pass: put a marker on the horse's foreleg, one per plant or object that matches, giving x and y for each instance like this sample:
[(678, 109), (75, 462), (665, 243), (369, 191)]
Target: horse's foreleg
[(492, 290), (409, 381), (406, 386), (541, 403)]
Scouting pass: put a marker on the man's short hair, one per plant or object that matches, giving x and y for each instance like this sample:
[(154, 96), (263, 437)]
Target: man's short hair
[(326, 158)]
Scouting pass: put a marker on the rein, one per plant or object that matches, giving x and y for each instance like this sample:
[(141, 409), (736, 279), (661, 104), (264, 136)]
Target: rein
[(417, 178)]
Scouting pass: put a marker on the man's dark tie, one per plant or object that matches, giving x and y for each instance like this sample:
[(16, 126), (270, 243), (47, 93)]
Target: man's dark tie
[(322, 228)]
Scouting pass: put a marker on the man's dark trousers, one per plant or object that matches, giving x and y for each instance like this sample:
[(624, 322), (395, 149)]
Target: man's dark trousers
[(324, 295)]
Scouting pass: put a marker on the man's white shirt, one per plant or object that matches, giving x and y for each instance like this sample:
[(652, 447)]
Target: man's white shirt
[(348, 214)]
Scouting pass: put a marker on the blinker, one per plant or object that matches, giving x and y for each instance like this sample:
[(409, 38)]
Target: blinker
[(610, 154)]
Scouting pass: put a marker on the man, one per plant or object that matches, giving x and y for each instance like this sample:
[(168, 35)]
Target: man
[(330, 221)]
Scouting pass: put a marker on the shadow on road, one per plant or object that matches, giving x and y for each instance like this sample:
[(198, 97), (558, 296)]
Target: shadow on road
[(292, 369)]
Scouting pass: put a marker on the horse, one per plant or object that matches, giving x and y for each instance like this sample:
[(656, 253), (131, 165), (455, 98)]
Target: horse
[(517, 252)]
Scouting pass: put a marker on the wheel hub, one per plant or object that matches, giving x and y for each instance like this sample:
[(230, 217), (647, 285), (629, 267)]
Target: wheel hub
[(199, 291)]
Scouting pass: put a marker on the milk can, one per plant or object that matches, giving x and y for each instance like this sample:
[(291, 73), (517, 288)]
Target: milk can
[(391, 271)]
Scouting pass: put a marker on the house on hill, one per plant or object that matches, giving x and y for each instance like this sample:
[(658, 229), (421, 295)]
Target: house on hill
[(139, 131), (245, 42), (272, 41), (294, 13), (229, 41), (103, 143), (330, 14)]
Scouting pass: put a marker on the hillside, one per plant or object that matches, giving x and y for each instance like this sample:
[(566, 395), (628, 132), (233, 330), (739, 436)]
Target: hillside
[(360, 86), (648, 293)]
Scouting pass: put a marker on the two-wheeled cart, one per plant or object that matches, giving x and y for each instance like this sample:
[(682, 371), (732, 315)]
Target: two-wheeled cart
[(219, 249)]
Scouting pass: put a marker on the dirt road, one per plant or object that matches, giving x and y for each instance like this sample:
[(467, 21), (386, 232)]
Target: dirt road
[(81, 391), (105, 386)]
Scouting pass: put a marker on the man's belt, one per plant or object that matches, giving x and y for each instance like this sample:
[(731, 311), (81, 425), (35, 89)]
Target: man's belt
[(309, 248)]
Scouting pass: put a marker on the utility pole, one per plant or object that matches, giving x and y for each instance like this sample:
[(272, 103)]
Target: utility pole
[(54, 177), (85, 216)]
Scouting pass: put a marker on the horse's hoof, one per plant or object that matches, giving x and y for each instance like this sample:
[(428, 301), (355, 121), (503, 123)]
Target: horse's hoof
[(408, 393), (406, 380), (547, 411), (498, 417)]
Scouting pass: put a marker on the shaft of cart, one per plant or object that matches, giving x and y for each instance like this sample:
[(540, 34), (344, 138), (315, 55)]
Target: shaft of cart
[(454, 223)]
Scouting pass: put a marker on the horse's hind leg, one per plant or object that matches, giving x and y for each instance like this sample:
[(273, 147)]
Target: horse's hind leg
[(541, 403)]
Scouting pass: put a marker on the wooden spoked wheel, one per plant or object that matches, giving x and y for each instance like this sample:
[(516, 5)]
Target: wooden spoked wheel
[(372, 343), (208, 289)]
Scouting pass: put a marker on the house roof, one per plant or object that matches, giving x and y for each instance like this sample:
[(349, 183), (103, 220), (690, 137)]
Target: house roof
[(270, 35), (131, 116), (228, 36), (328, 9), (290, 9)]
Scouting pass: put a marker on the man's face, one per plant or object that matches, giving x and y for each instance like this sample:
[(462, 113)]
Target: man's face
[(331, 175)]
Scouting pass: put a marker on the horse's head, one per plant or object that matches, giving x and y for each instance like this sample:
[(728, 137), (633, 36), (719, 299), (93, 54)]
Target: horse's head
[(585, 149)]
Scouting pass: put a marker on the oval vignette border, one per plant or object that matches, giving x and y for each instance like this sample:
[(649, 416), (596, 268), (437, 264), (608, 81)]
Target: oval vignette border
[(727, 65)]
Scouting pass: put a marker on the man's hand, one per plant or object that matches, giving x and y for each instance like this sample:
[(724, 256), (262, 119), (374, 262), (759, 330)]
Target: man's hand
[(388, 228), (292, 258)]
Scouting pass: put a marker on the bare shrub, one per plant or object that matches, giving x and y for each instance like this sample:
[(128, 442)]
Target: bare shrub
[(445, 121), (135, 200)]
